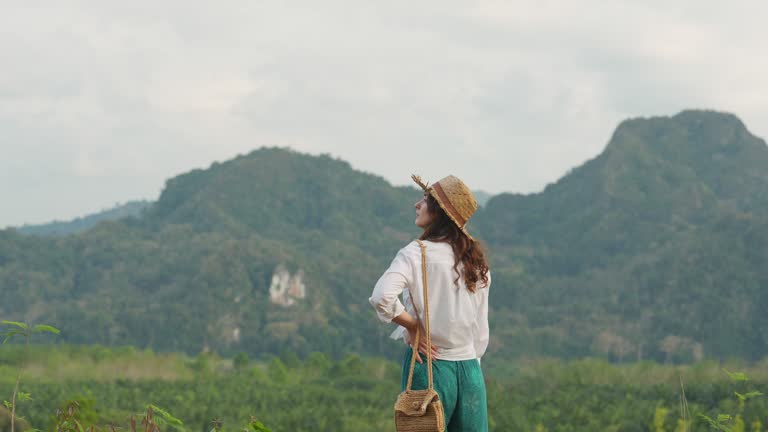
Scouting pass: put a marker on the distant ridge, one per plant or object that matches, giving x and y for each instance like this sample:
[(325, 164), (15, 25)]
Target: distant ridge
[(120, 211)]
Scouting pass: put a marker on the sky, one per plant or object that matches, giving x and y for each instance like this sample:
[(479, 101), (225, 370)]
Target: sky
[(102, 101)]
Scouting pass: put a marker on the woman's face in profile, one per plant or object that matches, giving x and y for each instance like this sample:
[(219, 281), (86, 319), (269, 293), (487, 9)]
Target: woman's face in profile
[(423, 216)]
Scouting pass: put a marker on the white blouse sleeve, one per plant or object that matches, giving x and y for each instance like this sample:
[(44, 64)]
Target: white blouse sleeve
[(483, 336), (391, 284)]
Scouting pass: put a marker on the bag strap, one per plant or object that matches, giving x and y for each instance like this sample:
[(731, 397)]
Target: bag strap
[(426, 329)]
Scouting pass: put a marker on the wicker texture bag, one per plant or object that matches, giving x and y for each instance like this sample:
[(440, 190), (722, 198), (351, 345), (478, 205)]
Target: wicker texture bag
[(420, 410)]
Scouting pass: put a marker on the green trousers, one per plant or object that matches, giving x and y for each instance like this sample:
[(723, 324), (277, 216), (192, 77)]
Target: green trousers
[(461, 387)]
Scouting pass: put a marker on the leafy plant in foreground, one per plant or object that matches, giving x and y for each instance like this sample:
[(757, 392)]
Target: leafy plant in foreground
[(25, 331), (722, 422)]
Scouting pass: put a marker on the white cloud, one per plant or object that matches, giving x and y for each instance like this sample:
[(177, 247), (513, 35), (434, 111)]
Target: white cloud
[(102, 101)]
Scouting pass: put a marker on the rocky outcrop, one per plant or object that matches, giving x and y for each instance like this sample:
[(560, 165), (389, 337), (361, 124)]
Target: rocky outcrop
[(286, 288)]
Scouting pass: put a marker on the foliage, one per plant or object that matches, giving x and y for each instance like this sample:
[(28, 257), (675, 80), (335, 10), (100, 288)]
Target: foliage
[(356, 394), (733, 422), (25, 332)]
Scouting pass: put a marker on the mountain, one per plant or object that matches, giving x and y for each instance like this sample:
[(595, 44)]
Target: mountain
[(120, 211), (270, 251), (288, 196), (653, 249)]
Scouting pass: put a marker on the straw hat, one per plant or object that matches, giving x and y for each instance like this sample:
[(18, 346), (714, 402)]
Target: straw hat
[(454, 197)]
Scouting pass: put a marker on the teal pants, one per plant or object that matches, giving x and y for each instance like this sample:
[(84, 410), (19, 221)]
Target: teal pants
[(461, 387)]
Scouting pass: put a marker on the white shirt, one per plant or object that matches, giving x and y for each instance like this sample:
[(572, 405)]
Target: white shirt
[(458, 317)]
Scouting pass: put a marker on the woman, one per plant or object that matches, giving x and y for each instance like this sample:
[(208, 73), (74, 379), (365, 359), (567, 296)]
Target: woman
[(459, 280)]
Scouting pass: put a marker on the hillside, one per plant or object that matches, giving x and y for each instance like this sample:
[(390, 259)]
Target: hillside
[(653, 249), (267, 252)]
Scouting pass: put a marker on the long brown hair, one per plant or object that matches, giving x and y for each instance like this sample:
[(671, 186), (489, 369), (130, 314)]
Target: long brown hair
[(465, 250)]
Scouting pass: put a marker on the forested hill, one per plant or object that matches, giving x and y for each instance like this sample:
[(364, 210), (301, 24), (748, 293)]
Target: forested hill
[(654, 249), (271, 251), (290, 197)]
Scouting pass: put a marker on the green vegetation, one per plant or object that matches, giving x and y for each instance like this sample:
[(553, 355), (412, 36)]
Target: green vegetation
[(25, 332), (356, 393), (735, 422)]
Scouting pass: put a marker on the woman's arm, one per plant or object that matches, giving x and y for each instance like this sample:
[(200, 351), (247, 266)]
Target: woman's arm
[(408, 321), (483, 336), (385, 296), (389, 309), (411, 324), (385, 299)]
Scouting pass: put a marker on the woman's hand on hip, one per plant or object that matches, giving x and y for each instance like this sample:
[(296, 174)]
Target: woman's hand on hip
[(422, 344)]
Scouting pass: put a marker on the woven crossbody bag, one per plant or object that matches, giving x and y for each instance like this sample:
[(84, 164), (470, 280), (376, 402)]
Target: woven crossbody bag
[(420, 410)]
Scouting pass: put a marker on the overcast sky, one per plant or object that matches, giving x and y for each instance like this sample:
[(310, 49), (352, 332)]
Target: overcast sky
[(102, 101)]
